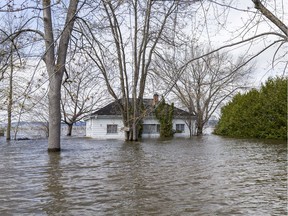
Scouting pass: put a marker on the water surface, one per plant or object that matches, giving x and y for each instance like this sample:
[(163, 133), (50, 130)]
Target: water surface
[(202, 176)]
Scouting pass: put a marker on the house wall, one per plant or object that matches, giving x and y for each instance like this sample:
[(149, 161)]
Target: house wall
[(152, 135), (186, 132), (97, 128)]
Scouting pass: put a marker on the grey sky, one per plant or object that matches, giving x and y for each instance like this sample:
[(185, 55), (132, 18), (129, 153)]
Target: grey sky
[(226, 25)]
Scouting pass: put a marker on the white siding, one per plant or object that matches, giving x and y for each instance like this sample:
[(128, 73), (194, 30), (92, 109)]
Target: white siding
[(97, 128), (150, 121), (186, 132)]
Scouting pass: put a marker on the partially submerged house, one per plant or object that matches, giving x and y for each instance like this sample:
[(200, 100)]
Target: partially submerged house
[(106, 123)]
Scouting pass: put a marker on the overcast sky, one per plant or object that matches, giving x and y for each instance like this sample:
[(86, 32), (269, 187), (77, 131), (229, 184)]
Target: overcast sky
[(216, 25), (235, 27)]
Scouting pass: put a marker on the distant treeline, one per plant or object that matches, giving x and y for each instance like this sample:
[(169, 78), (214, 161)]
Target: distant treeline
[(257, 113)]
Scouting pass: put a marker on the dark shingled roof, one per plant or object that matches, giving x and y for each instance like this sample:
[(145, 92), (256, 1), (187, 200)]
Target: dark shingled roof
[(110, 109), (114, 109)]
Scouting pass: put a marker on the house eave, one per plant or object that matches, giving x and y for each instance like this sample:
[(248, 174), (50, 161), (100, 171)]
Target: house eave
[(109, 117), (90, 117), (146, 117)]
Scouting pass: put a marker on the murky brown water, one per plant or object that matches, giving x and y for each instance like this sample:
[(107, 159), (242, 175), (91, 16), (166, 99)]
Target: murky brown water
[(202, 176)]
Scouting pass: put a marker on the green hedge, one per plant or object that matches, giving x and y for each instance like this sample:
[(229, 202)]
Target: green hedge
[(257, 113), (164, 113)]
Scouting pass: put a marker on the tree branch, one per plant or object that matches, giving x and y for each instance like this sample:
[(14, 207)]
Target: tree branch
[(260, 7)]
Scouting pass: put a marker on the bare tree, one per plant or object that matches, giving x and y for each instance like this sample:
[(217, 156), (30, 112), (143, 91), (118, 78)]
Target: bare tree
[(55, 65), (54, 56), (260, 28), (4, 56), (11, 63), (37, 102), (83, 92), (204, 83), (123, 45), (248, 34), (272, 17)]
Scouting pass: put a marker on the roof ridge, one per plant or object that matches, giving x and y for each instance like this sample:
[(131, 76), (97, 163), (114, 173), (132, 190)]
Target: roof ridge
[(114, 109)]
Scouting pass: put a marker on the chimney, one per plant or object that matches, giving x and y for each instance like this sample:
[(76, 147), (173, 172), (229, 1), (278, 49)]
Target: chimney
[(155, 99)]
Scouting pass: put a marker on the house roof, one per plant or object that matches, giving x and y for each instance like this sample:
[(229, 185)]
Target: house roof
[(113, 109)]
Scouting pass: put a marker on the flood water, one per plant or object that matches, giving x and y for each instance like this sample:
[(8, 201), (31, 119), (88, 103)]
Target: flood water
[(202, 176)]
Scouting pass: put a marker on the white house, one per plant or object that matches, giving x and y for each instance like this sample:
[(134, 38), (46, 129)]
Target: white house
[(106, 123)]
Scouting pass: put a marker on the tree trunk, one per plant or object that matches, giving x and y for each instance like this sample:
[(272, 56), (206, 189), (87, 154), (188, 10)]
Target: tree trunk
[(9, 113), (54, 96), (70, 127), (200, 125), (199, 130), (190, 128), (55, 68), (135, 117), (135, 132), (10, 97)]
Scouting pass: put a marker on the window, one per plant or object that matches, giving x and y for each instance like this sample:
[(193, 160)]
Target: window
[(111, 128), (180, 128), (151, 128)]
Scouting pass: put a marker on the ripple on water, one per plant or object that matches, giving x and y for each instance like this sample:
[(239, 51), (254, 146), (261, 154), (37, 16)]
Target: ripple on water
[(209, 176)]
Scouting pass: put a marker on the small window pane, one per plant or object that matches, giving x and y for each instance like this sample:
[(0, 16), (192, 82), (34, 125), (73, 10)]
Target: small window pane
[(180, 128), (111, 129), (151, 128)]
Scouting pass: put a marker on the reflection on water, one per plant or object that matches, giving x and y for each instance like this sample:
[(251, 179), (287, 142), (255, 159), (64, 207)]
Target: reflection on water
[(53, 186), (202, 176)]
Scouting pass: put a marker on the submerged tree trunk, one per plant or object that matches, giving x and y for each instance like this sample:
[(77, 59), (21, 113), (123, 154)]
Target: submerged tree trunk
[(190, 126), (200, 124), (70, 127), (199, 130), (56, 67), (10, 98), (54, 96)]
